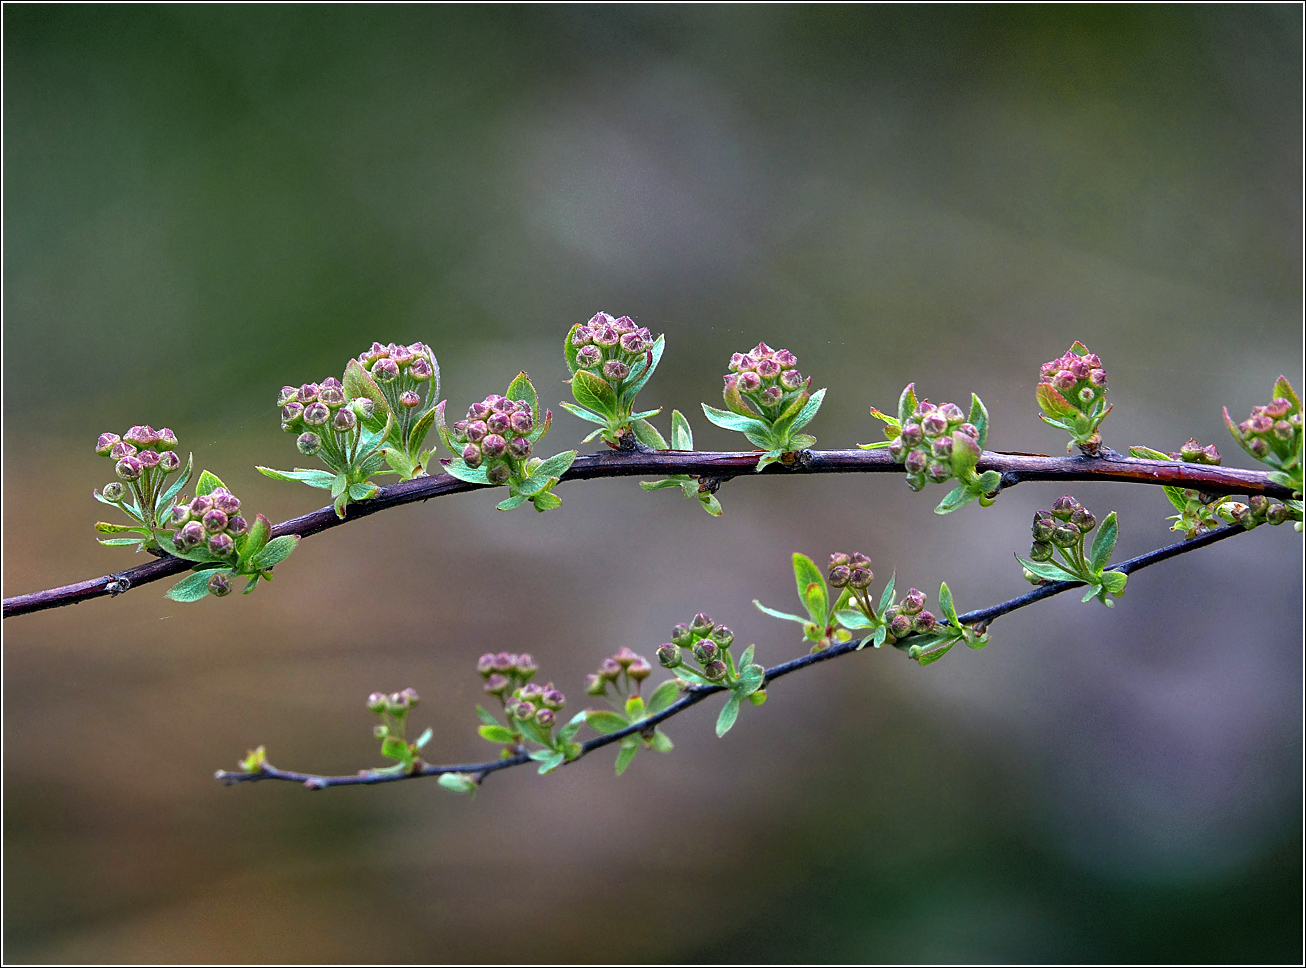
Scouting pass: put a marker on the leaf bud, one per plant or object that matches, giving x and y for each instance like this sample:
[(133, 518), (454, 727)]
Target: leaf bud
[(113, 491), (639, 669), (701, 625), (924, 622), (385, 371), (595, 686), (495, 684), (912, 602), (497, 474), (714, 671), (681, 635), (1064, 507), (1041, 550), (861, 577), (221, 544), (376, 702), (1083, 520), (705, 651), (669, 655), (545, 718), (219, 584), (106, 443), (519, 447), (122, 449), (494, 445), (129, 468), (609, 669)]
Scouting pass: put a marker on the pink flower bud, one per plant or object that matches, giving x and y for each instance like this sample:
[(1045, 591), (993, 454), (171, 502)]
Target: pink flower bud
[(129, 468), (106, 443), (148, 458), (221, 545), (316, 414), (497, 474), (169, 461), (409, 399), (472, 455), (122, 449), (615, 371), (385, 371), (215, 521)]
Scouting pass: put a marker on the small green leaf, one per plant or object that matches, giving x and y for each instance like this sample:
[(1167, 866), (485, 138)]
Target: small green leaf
[(1147, 453), (518, 499), (555, 466), (979, 417), (583, 413), (770, 457), (359, 385), (778, 614), (747, 657), (593, 392), (546, 501), (104, 527), (1114, 582), (818, 605), (808, 413), (521, 388), (486, 717), (339, 485), (806, 573), (945, 603), (551, 761), (497, 733), (734, 421), (663, 696), (120, 542), (656, 350), (1093, 592), (906, 403), (424, 738), (750, 680), (625, 756), (276, 550), (1049, 570), (394, 748), (853, 619), (729, 713), (165, 500), (458, 783), (661, 742), (648, 435), (603, 721), (191, 588), (710, 504), (207, 484), (458, 468), (928, 657), (567, 732), (1054, 404), (886, 599), (634, 709), (254, 541), (362, 492), (1104, 543), (682, 438), (958, 497)]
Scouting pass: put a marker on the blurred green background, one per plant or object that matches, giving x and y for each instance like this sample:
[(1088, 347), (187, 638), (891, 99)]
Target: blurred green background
[(204, 203)]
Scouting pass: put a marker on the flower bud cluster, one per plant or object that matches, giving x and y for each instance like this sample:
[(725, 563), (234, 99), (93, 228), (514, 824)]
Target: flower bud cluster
[(143, 458), (1273, 433), (611, 348), (1062, 527), (399, 366), (1192, 452), (393, 710), (624, 670), (327, 425), (496, 433), (506, 672), (929, 439), (210, 520), (766, 378), (851, 571), (1079, 378), (707, 642), (909, 616)]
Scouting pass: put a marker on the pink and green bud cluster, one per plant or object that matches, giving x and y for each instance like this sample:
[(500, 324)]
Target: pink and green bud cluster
[(909, 616), (767, 378), (506, 672), (1072, 395), (850, 571), (496, 433), (707, 642), (533, 702), (326, 425), (1273, 433), (211, 521), (408, 379), (936, 443), (610, 348), (143, 460), (624, 670), (1192, 452)]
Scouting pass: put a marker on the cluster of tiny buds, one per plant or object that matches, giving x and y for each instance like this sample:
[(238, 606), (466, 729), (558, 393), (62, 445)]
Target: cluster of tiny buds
[(533, 701), (927, 440), (706, 642), (767, 377), (314, 408), (1192, 452), (495, 429), (909, 615), (623, 662), (397, 704), (850, 570), (139, 450), (388, 363), (1062, 527), (1270, 428), (208, 519), (610, 346), (1079, 379), (504, 672)]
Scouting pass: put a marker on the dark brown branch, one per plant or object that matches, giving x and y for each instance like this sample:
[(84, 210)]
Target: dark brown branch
[(696, 694), (719, 466)]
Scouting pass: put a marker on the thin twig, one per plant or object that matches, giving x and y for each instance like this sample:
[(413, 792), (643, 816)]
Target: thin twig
[(696, 694), (724, 465)]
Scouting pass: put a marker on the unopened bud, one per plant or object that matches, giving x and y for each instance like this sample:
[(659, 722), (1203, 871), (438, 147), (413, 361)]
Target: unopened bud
[(148, 458), (344, 420), (113, 491), (595, 685), (376, 702), (722, 636), (701, 625), (912, 602), (496, 685), (1043, 526), (1064, 507), (545, 718), (609, 669), (106, 443), (669, 655), (505, 662), (221, 545), (169, 461), (861, 578), (531, 692), (525, 666), (129, 468), (497, 474), (308, 444), (523, 710), (1083, 520), (485, 665), (839, 575), (901, 626), (1277, 514), (640, 669), (122, 449), (385, 371), (714, 671), (316, 414), (705, 651), (219, 584), (519, 447), (681, 635), (1065, 535), (615, 371), (625, 656), (1041, 550)]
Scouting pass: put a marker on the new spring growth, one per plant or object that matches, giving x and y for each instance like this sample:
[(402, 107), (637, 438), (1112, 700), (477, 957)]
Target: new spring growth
[(624, 673), (682, 438), (1072, 395), (940, 443), (531, 711), (1060, 532), (768, 402), (393, 709), (1273, 435), (340, 432), (210, 531), (610, 361), (403, 385), (494, 445), (708, 644), (143, 461)]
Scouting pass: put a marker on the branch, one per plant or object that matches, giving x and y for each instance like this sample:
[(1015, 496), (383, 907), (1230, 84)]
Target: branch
[(708, 465), (980, 618)]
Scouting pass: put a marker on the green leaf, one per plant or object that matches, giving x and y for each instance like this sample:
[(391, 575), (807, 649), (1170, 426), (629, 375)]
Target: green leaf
[(593, 392), (648, 435), (1054, 404), (276, 550), (808, 413), (104, 527), (1104, 543), (458, 783), (165, 500), (312, 477), (191, 588), (906, 403), (1049, 570), (546, 501), (521, 388), (603, 721), (736, 403), (850, 618), (625, 756), (583, 413), (665, 482), (778, 614), (958, 497), (1282, 388), (1176, 496), (569, 350), (362, 492), (497, 733), (656, 349), (549, 760), (886, 599), (1093, 592), (486, 717), (254, 541), (207, 484), (555, 466), (508, 503), (928, 657), (945, 603), (806, 573), (750, 680), (979, 417), (634, 709), (710, 504), (662, 742), (817, 602), (663, 696), (567, 732), (359, 385), (1147, 453), (1114, 582), (682, 438), (729, 713), (120, 542), (747, 658), (472, 475), (733, 421)]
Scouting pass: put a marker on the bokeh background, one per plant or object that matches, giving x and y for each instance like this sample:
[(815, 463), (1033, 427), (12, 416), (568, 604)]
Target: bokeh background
[(204, 203)]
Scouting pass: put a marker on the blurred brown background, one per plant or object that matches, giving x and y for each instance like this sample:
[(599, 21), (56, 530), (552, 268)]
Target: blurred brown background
[(204, 203)]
